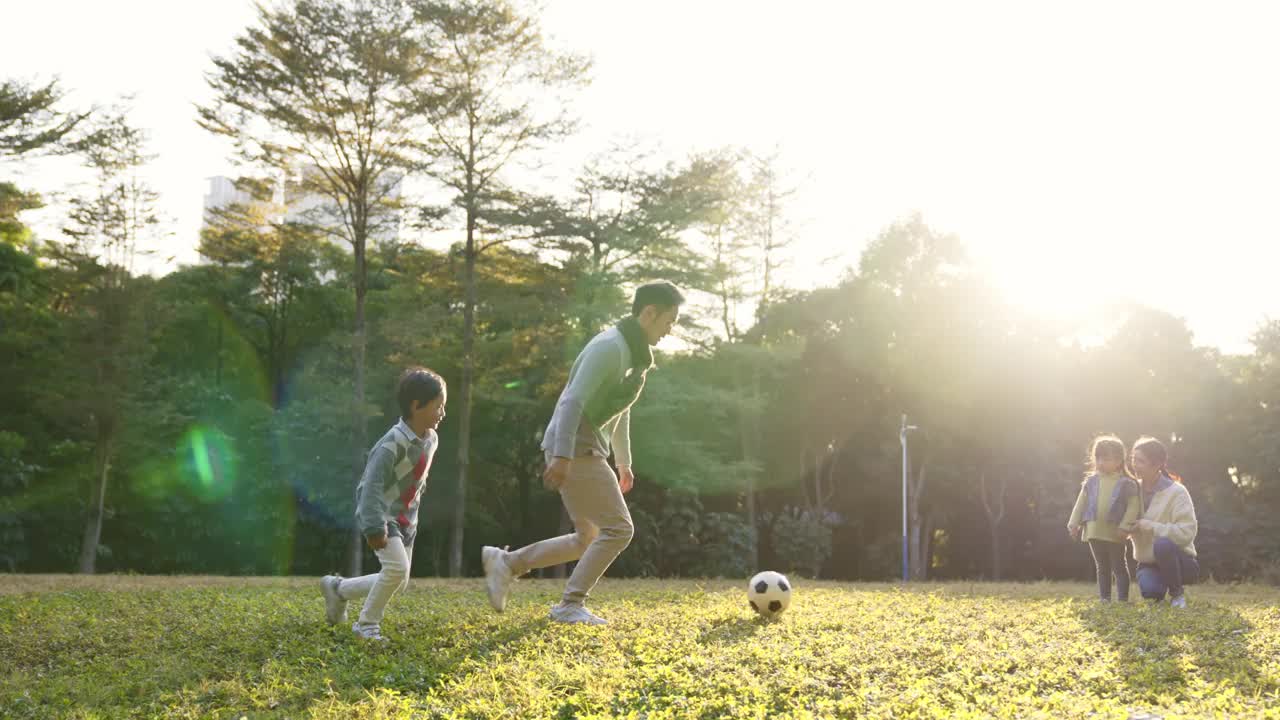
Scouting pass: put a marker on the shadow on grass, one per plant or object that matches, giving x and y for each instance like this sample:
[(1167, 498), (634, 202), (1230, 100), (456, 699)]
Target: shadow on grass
[(731, 630), (1162, 649)]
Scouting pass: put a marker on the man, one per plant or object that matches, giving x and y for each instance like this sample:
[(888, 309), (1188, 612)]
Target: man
[(592, 417)]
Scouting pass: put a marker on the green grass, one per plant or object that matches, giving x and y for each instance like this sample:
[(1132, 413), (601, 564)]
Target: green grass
[(230, 648)]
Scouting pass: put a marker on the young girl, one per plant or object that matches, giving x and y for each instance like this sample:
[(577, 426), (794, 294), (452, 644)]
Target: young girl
[(1106, 512)]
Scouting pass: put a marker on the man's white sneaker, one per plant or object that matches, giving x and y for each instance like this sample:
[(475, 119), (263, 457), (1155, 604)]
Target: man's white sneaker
[(1178, 602), (497, 575), (575, 614), (335, 608), (373, 633)]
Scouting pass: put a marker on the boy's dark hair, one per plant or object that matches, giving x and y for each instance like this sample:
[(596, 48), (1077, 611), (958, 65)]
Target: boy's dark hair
[(663, 294), (418, 383)]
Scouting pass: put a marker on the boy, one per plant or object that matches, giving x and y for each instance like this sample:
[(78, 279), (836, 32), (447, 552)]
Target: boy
[(387, 499)]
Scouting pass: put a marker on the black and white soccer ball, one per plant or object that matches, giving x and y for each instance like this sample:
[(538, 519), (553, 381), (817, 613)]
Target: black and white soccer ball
[(769, 593)]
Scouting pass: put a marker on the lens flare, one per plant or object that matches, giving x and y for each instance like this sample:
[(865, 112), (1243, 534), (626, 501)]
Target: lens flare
[(207, 462)]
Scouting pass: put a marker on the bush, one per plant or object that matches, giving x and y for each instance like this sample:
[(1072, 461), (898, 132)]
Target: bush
[(801, 541)]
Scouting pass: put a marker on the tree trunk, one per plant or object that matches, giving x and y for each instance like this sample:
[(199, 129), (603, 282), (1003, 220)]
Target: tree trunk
[(359, 433), (926, 550), (996, 571), (995, 515), (98, 497), (748, 439), (217, 370), (526, 532), (916, 492), (464, 421), (915, 540)]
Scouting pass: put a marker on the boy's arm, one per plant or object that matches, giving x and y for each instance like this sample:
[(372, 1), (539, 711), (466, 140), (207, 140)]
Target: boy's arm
[(371, 504)]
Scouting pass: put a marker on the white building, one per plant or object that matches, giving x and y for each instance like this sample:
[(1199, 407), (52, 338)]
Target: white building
[(312, 208), (219, 193)]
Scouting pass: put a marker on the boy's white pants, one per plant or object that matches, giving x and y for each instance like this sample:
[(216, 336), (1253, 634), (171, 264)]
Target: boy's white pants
[(378, 588)]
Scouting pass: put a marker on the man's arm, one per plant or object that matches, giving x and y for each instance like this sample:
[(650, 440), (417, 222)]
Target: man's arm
[(599, 362), (622, 440)]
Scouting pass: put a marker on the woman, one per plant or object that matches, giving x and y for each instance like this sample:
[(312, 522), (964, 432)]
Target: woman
[(1164, 539)]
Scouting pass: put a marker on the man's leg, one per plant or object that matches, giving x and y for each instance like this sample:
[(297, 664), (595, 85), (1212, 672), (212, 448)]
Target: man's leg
[(553, 551), (501, 567), (592, 494)]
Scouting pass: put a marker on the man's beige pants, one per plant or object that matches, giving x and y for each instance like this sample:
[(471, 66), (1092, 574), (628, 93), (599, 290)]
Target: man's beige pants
[(602, 529)]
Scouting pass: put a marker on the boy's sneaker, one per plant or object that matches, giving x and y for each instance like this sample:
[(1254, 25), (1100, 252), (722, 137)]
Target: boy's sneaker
[(1178, 602), (497, 575), (575, 614), (373, 632), (335, 608)]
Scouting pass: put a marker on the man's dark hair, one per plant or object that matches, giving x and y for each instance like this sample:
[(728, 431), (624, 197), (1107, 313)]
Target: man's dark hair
[(663, 294), (417, 383)]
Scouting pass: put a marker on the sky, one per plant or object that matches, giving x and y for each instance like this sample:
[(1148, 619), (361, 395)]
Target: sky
[(1085, 153)]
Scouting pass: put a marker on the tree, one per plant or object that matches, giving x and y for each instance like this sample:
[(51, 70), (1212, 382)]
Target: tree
[(764, 223), (321, 91), (625, 223), (30, 119), (105, 229), (486, 101), (747, 256), (280, 259)]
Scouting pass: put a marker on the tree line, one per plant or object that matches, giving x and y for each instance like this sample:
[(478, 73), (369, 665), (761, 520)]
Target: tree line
[(214, 420)]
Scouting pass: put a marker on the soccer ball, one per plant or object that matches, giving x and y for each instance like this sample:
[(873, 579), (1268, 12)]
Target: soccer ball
[(769, 593)]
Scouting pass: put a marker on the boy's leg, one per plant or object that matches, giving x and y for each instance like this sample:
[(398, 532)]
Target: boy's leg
[(355, 588), (393, 576), (335, 606), (592, 495), (1120, 568), (408, 558), (1102, 565)]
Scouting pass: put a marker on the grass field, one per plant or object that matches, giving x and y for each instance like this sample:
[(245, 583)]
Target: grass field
[(120, 646)]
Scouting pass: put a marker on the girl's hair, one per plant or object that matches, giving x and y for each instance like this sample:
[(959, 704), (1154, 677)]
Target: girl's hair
[(1107, 446), (1155, 451), (418, 383)]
